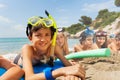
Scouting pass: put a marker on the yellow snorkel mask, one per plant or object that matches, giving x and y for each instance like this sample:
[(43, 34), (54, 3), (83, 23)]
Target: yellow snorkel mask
[(36, 20)]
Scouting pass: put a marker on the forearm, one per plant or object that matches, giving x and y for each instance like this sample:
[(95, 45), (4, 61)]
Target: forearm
[(14, 73), (41, 76), (63, 59)]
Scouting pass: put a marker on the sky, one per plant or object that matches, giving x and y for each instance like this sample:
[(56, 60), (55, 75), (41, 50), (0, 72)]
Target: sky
[(15, 13)]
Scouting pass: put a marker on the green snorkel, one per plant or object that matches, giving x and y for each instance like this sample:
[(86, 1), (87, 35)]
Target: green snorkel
[(55, 34)]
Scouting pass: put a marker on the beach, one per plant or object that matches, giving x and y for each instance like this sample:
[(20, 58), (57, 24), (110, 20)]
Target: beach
[(102, 68)]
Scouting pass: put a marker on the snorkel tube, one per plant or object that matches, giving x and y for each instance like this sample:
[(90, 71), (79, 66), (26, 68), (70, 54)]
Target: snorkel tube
[(55, 33)]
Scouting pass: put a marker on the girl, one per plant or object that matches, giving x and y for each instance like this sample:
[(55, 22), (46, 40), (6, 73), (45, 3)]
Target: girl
[(62, 41), (101, 39), (40, 32)]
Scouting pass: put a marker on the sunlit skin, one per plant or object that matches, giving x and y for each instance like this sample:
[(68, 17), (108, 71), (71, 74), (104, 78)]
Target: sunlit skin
[(88, 41), (41, 40), (87, 44), (115, 46), (110, 40), (41, 44), (14, 72), (62, 42), (100, 40)]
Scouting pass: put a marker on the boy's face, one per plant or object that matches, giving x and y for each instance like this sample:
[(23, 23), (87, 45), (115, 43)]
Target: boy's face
[(41, 39), (60, 39)]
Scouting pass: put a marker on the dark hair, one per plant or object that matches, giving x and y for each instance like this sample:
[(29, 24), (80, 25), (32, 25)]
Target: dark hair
[(30, 29)]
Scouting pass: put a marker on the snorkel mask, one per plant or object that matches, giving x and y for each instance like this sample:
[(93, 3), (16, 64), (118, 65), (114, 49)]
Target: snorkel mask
[(89, 32), (86, 34), (101, 33), (36, 20)]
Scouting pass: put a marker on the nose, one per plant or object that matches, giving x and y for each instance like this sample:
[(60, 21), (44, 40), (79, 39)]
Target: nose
[(42, 39)]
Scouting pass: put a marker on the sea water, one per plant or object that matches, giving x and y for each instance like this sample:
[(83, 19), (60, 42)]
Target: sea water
[(14, 45)]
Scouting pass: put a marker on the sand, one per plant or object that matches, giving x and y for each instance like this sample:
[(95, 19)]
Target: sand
[(107, 68)]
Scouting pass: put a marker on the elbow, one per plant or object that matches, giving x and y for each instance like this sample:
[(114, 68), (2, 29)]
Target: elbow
[(19, 71)]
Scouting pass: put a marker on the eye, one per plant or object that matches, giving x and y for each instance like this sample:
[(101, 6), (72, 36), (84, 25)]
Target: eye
[(48, 34), (37, 35)]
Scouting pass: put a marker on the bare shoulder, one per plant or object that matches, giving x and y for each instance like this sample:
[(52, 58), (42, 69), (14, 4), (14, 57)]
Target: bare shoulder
[(78, 46), (95, 46), (26, 46), (111, 45)]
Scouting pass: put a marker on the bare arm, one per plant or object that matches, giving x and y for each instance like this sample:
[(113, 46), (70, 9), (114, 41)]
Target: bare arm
[(29, 74), (77, 48), (66, 49), (59, 54), (13, 71), (112, 47), (95, 46)]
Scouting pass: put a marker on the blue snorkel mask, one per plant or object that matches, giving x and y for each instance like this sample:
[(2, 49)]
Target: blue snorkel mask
[(89, 32), (86, 34)]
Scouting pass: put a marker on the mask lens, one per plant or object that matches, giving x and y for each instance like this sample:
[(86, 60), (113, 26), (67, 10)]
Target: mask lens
[(34, 20), (47, 22)]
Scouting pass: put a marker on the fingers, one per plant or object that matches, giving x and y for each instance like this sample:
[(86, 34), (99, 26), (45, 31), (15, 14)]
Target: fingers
[(70, 77), (81, 72)]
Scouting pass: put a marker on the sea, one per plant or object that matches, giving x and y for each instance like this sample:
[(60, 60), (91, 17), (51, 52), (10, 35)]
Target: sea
[(14, 45)]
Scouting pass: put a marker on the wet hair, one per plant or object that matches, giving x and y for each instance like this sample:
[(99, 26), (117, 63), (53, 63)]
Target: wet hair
[(30, 29)]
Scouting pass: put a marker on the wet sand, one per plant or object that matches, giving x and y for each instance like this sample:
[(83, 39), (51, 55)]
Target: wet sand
[(103, 68)]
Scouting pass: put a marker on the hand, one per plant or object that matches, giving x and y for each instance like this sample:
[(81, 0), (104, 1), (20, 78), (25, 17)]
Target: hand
[(70, 77), (73, 62), (76, 70)]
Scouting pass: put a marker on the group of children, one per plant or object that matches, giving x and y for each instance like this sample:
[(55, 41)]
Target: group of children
[(90, 40), (40, 31)]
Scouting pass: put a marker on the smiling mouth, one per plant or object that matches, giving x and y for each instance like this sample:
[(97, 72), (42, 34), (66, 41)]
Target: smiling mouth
[(43, 44)]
